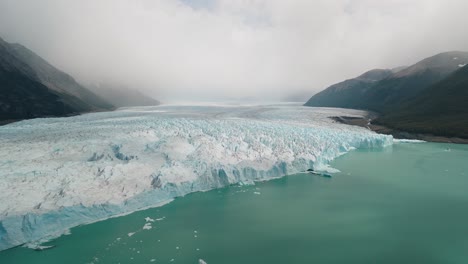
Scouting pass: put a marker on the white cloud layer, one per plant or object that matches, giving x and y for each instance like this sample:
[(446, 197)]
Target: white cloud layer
[(205, 49)]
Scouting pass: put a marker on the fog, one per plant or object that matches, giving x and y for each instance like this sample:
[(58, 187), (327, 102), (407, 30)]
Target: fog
[(228, 49)]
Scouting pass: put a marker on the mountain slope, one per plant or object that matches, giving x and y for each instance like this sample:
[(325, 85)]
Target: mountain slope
[(441, 109), (348, 94), (21, 94), (59, 81), (30, 87), (120, 96), (22, 98), (386, 96), (383, 96)]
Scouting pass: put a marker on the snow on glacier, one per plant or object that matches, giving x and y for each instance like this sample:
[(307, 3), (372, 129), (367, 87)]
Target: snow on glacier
[(57, 173)]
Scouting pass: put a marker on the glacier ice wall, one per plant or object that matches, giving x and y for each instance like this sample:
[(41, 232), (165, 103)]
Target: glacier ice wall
[(58, 173)]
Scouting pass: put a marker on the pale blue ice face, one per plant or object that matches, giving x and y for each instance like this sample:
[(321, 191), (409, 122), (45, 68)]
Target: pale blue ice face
[(98, 165)]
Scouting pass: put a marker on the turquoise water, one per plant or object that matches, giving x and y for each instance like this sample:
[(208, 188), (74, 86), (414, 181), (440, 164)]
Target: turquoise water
[(404, 204)]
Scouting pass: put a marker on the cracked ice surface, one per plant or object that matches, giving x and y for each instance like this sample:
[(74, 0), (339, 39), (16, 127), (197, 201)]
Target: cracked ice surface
[(56, 173)]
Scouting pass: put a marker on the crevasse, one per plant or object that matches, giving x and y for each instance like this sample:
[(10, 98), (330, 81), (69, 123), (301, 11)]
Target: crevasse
[(58, 173)]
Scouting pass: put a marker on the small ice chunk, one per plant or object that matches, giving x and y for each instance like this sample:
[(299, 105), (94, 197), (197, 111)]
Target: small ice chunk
[(131, 234), (160, 219), (201, 261), (462, 65), (147, 226), (149, 219), (257, 193), (41, 248), (152, 260), (246, 183), (408, 141)]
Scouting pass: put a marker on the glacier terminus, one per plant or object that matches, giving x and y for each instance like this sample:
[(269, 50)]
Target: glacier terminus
[(58, 173)]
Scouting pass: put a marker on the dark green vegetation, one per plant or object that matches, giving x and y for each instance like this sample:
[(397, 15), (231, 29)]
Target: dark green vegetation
[(427, 97), (441, 109)]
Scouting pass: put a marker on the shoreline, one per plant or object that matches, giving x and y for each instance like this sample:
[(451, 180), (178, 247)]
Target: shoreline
[(366, 122), (11, 121)]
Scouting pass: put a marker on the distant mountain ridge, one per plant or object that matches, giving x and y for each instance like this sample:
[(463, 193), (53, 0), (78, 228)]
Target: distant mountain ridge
[(120, 96), (59, 81), (30, 87), (391, 88), (348, 94), (387, 95), (400, 95)]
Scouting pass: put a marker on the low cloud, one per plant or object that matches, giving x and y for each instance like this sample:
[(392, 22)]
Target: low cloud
[(213, 49)]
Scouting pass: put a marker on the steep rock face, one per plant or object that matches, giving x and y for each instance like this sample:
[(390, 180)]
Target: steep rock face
[(386, 93), (30, 87)]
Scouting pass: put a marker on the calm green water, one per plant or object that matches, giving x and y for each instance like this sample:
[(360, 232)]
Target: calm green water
[(404, 204)]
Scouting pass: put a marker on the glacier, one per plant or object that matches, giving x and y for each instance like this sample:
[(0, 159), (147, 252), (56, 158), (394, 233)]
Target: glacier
[(58, 173)]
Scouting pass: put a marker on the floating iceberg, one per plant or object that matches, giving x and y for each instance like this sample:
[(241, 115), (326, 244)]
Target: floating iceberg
[(57, 173)]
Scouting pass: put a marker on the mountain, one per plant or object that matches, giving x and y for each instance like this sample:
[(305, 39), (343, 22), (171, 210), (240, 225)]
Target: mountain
[(348, 94), (30, 87), (440, 109), (120, 96), (408, 83), (386, 94)]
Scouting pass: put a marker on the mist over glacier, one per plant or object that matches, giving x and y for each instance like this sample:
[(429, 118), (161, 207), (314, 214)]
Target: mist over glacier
[(57, 173)]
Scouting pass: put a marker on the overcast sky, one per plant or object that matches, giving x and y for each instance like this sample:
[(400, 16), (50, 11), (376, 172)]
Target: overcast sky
[(206, 49)]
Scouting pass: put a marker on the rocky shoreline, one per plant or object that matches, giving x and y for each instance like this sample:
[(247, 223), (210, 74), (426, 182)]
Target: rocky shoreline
[(367, 123)]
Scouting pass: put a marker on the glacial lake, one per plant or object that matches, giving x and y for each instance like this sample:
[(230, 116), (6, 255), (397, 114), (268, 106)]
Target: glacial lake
[(407, 203)]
